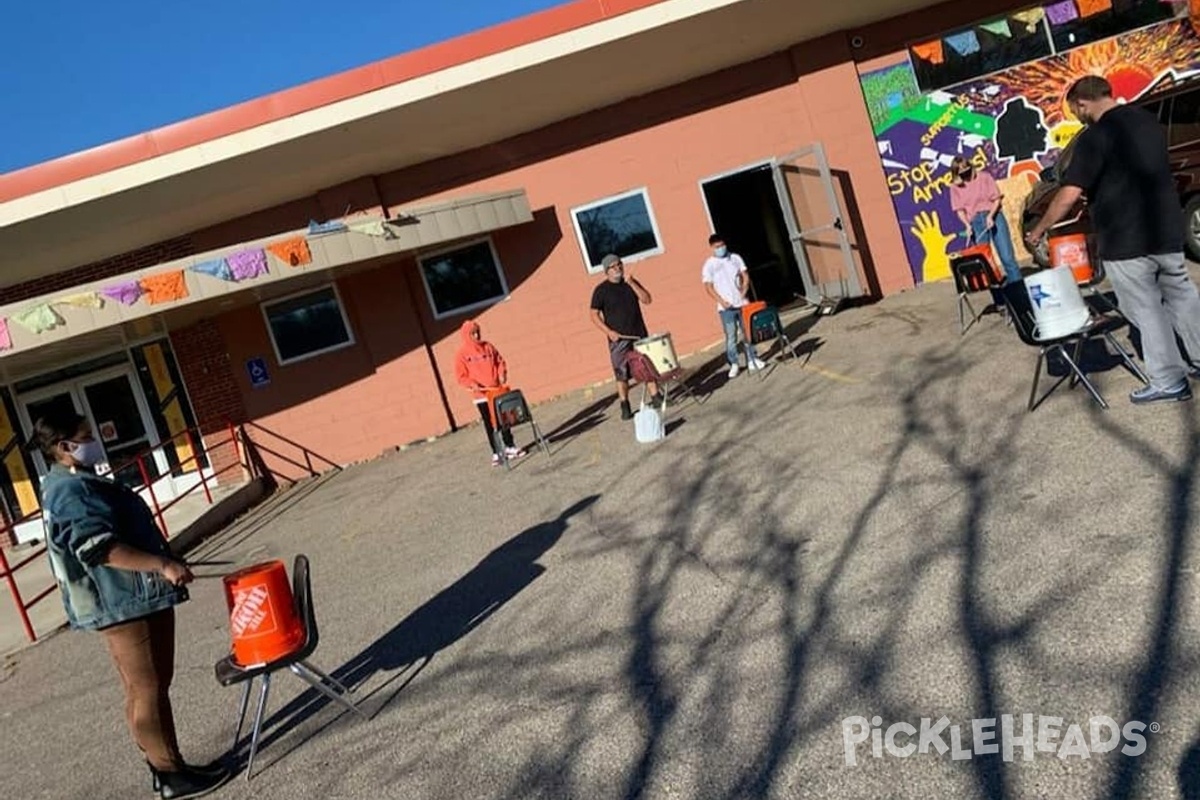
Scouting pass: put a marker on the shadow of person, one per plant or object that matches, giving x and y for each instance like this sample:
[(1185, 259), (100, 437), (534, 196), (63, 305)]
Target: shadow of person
[(441, 621)]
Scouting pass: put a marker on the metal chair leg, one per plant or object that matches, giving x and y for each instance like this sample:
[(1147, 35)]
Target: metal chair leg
[(680, 383), (258, 721), (541, 440), (786, 346), (964, 326), (1128, 359), (237, 734), (1078, 358), (1037, 375), (334, 682), (1087, 384), (1043, 358), (301, 671)]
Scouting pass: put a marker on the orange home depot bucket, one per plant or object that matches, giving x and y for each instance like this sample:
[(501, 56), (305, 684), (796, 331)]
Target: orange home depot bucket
[(1072, 251), (262, 617), (748, 312), (984, 251)]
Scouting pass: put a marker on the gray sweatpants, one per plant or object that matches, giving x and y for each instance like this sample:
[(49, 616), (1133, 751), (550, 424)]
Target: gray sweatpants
[(1158, 296)]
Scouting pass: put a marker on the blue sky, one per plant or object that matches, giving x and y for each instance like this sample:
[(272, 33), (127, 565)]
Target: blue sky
[(79, 74)]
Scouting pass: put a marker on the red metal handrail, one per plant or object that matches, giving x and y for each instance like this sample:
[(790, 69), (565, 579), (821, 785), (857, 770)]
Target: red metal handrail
[(309, 455), (148, 483), (8, 572)]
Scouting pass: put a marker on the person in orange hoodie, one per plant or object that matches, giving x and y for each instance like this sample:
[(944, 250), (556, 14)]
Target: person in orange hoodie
[(480, 366)]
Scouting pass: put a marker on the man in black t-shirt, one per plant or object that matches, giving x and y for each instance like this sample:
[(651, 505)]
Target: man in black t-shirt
[(617, 311), (1120, 163)]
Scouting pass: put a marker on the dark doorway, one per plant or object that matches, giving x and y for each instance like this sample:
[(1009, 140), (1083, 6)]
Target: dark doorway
[(744, 208)]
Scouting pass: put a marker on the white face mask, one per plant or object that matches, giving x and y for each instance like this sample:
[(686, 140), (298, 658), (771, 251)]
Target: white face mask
[(88, 454)]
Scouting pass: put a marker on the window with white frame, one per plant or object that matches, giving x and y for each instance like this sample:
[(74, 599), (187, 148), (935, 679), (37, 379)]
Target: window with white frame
[(623, 224), (463, 279), (307, 324)]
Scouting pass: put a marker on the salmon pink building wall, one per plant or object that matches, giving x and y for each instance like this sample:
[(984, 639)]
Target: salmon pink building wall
[(354, 403), (388, 388)]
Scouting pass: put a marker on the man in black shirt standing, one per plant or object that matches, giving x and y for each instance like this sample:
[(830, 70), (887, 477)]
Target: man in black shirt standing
[(617, 311), (1120, 163)]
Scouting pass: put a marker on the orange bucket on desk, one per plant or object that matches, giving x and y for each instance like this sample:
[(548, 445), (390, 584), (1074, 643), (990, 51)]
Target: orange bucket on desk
[(1072, 251), (748, 312), (491, 395), (262, 616)]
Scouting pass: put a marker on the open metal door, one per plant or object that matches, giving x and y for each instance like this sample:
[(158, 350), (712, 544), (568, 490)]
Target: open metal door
[(816, 225)]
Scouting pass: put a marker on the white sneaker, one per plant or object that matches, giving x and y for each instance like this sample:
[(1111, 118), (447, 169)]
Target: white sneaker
[(755, 365), (733, 371)]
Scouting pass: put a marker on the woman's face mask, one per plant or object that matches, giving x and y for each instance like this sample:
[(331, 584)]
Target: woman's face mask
[(86, 454)]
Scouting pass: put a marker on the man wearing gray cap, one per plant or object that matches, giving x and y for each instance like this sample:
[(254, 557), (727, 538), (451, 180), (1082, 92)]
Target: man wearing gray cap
[(617, 312)]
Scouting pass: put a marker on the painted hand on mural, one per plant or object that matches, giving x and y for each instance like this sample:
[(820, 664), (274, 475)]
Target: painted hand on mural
[(927, 227)]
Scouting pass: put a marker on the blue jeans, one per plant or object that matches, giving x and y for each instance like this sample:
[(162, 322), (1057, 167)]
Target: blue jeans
[(731, 323), (1000, 239)]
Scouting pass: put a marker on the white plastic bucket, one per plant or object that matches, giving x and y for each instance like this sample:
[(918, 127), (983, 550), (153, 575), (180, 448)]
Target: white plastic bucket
[(1058, 306), (648, 425)]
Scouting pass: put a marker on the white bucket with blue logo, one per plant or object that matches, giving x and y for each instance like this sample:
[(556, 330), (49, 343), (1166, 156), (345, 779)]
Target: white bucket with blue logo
[(1058, 306)]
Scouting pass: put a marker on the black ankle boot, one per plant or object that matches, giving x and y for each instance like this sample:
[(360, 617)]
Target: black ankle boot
[(190, 781), (215, 768), (626, 411)]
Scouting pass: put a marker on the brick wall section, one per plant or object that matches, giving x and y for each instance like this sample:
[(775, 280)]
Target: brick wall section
[(351, 404), (149, 256), (203, 359)]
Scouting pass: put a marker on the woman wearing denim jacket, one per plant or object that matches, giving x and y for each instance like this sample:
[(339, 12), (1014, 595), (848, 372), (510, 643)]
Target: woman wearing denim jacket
[(117, 576)]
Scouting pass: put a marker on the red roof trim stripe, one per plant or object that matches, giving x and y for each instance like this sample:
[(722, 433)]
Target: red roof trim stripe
[(306, 97)]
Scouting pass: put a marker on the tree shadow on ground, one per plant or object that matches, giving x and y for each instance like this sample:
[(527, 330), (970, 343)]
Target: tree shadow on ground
[(1153, 679), (975, 450), (820, 614), (1188, 773)]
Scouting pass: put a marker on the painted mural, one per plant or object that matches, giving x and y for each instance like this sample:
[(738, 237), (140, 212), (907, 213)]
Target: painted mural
[(1012, 123)]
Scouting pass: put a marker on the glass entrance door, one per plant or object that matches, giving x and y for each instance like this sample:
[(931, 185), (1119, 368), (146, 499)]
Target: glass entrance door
[(119, 424), (118, 416)]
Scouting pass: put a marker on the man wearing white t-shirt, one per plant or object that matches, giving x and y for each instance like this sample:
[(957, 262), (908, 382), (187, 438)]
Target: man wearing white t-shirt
[(726, 281)]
